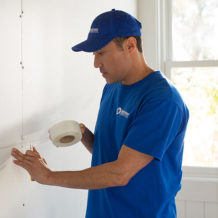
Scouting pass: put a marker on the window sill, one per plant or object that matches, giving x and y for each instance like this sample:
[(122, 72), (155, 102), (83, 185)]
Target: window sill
[(200, 172)]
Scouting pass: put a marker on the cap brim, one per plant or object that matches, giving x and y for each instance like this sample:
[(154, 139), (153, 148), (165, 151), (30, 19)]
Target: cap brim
[(91, 45)]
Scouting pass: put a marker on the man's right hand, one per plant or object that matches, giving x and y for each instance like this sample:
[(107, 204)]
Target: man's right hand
[(87, 137)]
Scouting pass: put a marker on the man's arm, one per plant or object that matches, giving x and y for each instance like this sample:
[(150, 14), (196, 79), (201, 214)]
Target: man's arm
[(87, 137), (116, 173)]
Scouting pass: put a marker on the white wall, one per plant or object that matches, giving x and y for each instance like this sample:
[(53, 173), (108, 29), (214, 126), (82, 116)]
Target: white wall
[(148, 14), (51, 84)]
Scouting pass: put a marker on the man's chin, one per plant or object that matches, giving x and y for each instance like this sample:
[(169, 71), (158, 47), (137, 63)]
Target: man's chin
[(111, 82)]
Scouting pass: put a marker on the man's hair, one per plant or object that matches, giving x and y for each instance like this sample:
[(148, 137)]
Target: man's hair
[(119, 42)]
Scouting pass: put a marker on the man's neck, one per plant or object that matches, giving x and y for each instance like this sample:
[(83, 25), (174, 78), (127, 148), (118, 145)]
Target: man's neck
[(138, 71)]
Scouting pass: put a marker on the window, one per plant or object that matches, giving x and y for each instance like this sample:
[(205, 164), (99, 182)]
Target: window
[(191, 62)]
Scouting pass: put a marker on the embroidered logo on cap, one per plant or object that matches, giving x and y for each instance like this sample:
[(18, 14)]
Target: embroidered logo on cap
[(93, 30)]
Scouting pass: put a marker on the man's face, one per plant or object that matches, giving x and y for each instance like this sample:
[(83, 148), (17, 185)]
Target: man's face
[(113, 63)]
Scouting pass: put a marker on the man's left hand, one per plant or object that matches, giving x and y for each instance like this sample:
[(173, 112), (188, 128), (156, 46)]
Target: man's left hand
[(33, 163)]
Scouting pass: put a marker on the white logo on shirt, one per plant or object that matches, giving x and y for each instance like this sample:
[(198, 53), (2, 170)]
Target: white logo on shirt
[(121, 112)]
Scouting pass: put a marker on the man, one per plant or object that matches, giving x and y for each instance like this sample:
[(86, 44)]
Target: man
[(137, 145)]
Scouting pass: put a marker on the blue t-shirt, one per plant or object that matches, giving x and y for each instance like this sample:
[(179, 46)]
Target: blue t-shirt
[(151, 117)]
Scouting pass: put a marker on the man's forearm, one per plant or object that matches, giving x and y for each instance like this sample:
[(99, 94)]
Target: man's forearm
[(115, 173), (102, 176)]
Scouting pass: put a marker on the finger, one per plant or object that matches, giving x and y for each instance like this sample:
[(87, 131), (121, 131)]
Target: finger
[(21, 164), (21, 157), (14, 150), (31, 153), (44, 161), (16, 153), (82, 127), (29, 158), (36, 152)]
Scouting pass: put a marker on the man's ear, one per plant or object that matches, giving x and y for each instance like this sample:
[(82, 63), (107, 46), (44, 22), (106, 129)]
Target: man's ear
[(131, 44)]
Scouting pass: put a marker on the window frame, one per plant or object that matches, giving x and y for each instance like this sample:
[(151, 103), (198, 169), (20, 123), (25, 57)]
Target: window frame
[(166, 48), (167, 63)]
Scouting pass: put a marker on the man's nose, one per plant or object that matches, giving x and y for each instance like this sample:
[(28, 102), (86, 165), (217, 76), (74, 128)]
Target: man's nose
[(97, 62)]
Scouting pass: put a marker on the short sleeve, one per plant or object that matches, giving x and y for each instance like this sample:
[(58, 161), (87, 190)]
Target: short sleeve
[(154, 128)]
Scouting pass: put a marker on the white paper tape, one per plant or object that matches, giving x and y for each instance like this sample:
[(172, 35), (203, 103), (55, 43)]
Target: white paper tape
[(65, 133)]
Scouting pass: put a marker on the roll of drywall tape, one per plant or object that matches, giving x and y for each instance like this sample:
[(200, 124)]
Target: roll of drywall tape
[(65, 133)]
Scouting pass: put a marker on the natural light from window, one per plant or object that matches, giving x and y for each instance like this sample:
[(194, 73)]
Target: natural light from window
[(195, 38), (195, 30)]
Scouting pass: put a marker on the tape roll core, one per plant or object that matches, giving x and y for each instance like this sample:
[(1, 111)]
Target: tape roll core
[(67, 139)]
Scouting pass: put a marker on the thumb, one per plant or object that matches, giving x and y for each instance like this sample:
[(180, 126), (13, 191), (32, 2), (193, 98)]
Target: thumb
[(82, 128), (36, 152)]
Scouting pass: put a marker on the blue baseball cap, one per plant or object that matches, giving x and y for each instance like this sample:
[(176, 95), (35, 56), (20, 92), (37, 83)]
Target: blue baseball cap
[(106, 27)]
